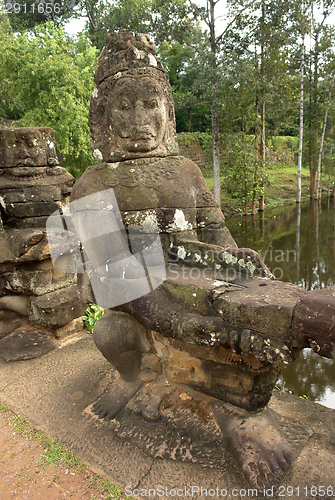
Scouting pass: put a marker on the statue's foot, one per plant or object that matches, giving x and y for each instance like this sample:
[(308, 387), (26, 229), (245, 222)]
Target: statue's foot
[(148, 401), (259, 442), (115, 398)]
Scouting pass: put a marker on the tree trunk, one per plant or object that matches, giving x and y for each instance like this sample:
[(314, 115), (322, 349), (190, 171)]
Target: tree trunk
[(263, 153), (331, 154), (318, 183), (314, 130), (245, 166), (216, 154), (301, 131), (298, 241), (253, 205), (215, 113), (261, 199), (190, 120)]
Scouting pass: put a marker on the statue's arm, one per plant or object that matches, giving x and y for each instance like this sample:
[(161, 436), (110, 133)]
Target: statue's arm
[(158, 311), (212, 245)]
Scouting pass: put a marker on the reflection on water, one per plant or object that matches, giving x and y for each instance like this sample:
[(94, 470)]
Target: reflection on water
[(297, 243)]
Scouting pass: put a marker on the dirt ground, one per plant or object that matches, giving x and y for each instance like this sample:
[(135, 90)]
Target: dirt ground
[(25, 474)]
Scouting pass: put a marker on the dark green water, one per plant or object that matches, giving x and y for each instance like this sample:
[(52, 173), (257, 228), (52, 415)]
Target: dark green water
[(298, 245)]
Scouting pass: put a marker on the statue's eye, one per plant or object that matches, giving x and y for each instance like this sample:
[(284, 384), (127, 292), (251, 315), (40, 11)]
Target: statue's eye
[(124, 104), (153, 103)]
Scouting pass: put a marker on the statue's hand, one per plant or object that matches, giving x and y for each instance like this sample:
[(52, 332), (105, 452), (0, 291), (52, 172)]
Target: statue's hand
[(247, 260)]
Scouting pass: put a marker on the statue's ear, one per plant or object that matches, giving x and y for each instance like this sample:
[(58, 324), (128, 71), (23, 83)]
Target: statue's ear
[(171, 113)]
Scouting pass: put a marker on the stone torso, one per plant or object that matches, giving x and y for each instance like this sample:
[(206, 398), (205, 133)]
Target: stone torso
[(169, 194)]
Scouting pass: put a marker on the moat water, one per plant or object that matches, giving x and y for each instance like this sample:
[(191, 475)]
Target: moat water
[(297, 243)]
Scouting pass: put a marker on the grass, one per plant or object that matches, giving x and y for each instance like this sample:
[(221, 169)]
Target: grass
[(56, 453), (282, 188), (283, 183), (286, 391)]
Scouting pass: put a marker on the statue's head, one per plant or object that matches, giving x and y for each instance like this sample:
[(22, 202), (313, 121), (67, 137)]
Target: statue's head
[(132, 110), (27, 147)]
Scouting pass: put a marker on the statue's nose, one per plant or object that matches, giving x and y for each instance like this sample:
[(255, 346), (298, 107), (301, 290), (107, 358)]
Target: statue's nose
[(140, 117)]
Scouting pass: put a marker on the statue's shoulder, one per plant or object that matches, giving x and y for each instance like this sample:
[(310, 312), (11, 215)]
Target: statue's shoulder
[(185, 166), (95, 178)]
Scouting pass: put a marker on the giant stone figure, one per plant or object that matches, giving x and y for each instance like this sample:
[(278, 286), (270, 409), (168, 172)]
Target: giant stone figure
[(214, 331)]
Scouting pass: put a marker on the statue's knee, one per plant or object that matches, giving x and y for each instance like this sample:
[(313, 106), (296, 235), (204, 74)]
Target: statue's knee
[(128, 365), (121, 339)]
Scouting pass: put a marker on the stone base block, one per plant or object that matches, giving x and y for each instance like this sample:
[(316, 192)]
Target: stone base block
[(56, 309), (314, 322), (75, 326), (35, 278), (220, 373)]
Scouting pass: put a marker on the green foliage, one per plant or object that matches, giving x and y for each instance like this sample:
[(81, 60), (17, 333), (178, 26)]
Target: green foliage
[(281, 143), (91, 316), (184, 67), (204, 139), (108, 17), (162, 19), (243, 177), (3, 407), (47, 80)]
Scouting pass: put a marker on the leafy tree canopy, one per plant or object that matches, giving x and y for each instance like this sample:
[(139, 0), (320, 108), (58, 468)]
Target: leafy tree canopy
[(46, 79), (164, 20)]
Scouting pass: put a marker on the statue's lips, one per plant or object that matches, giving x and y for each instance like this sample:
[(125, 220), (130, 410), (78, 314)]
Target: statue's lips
[(140, 136)]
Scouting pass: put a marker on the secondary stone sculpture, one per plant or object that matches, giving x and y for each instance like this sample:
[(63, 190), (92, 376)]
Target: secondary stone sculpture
[(32, 186), (212, 338)]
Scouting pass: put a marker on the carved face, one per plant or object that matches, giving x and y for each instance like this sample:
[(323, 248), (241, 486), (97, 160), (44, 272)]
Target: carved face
[(138, 114), (27, 147)]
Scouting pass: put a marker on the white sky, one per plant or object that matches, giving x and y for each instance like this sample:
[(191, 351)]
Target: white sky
[(74, 26)]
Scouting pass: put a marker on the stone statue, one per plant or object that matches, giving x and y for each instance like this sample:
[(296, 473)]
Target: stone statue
[(218, 325), (32, 186)]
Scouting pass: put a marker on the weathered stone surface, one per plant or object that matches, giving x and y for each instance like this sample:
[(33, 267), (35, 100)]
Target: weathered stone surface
[(56, 309), (10, 321), (185, 432), (5, 252), (30, 209), (27, 342), (265, 443), (151, 367), (314, 321), (122, 50), (262, 305), (28, 245), (35, 194), (32, 186), (161, 183), (75, 326), (226, 375), (226, 335), (35, 278), (15, 303), (122, 340), (114, 133), (18, 177), (26, 222), (27, 146)]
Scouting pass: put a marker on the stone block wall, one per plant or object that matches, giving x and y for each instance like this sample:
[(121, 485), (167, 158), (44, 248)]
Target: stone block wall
[(32, 187)]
